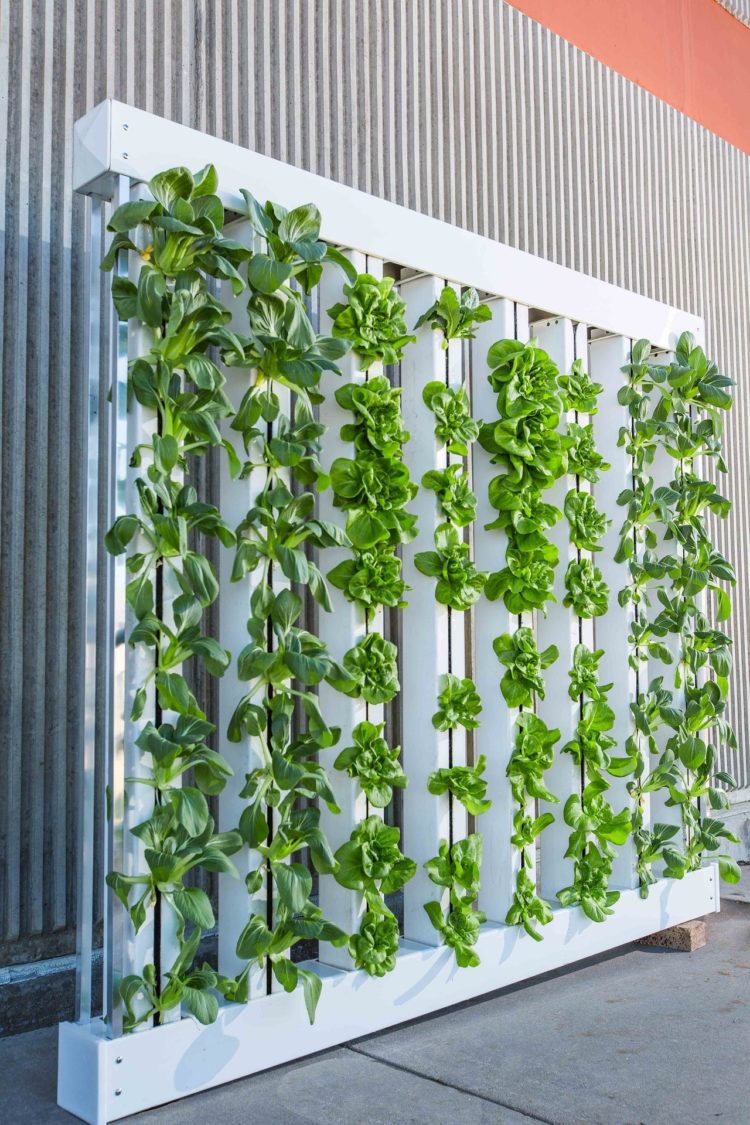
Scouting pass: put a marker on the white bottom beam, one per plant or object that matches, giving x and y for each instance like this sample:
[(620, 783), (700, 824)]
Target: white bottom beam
[(102, 1080)]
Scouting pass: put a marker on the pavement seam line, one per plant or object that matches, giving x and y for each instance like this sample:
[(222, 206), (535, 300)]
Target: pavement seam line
[(450, 1085)]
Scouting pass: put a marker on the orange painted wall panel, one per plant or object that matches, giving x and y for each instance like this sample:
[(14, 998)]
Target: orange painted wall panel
[(691, 53)]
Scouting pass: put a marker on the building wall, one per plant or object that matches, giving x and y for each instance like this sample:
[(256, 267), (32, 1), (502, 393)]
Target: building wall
[(465, 109), (694, 54)]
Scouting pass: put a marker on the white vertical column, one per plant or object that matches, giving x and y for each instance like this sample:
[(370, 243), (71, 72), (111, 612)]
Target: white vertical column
[(663, 471), (560, 626), (236, 498), (341, 629), (607, 357), (136, 663), (495, 735), (458, 630), (426, 624)]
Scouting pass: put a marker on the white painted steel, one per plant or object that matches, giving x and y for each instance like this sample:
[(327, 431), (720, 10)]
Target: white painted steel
[(459, 624), (607, 356), (137, 665), (94, 486), (425, 648), (495, 736), (561, 627), (372, 225), (341, 629), (167, 1063)]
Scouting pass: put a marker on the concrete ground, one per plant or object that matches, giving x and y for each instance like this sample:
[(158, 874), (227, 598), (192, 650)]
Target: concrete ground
[(642, 1036)]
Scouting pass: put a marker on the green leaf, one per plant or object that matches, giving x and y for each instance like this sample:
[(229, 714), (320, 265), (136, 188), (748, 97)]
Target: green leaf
[(168, 187), (265, 274), (203, 1005), (312, 986), (294, 884), (194, 905)]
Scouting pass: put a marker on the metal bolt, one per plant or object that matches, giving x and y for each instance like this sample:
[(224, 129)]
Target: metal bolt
[(118, 1092), (125, 128), (124, 156), (118, 1059)]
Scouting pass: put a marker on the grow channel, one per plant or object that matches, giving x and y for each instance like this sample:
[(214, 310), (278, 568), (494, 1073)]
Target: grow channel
[(411, 659)]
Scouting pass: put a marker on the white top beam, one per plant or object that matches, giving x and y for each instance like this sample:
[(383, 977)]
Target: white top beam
[(116, 138)]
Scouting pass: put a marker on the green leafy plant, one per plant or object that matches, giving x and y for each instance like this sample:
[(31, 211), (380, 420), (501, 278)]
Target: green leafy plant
[(374, 763), (371, 578), (454, 425), (456, 500), (455, 317), (526, 444), (584, 459), (378, 423), (176, 237), (459, 704), (372, 862), (374, 491), (465, 783), (370, 670), (587, 592), (533, 754), (457, 868), (459, 583), (587, 524), (375, 947), (578, 391), (665, 540), (528, 909), (372, 320), (524, 665), (584, 675)]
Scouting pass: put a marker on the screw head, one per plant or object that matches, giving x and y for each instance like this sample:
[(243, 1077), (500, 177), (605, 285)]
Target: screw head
[(125, 127), (124, 156), (118, 1059), (118, 1091)]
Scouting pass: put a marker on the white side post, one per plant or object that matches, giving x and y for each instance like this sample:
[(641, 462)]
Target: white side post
[(607, 357), (561, 627), (341, 629), (132, 665), (426, 624), (496, 734)]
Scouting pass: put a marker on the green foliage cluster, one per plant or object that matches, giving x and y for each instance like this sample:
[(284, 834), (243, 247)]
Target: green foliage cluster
[(455, 316), (373, 488), (372, 863), (177, 237), (372, 320), (459, 585), (179, 241), (596, 828), (533, 754), (526, 444), (459, 704), (457, 869), (524, 665), (676, 410), (374, 763)]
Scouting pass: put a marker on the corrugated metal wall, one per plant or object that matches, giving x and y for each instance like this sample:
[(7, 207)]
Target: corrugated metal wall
[(465, 109)]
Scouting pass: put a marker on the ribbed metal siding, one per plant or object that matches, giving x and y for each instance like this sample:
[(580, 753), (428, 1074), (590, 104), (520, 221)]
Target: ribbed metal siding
[(465, 109)]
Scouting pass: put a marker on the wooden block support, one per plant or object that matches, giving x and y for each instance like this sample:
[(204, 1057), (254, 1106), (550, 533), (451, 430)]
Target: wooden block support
[(685, 938)]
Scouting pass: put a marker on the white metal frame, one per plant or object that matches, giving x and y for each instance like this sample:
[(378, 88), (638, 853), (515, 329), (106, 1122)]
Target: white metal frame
[(103, 1075)]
